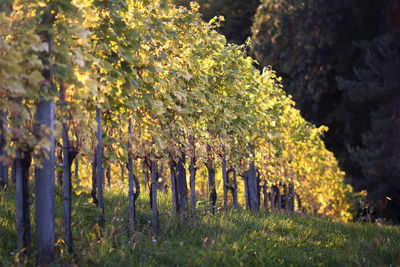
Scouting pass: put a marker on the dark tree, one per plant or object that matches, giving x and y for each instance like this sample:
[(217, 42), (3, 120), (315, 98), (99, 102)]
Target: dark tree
[(377, 89), (238, 16)]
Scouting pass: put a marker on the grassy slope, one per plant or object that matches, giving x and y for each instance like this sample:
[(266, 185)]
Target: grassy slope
[(230, 239)]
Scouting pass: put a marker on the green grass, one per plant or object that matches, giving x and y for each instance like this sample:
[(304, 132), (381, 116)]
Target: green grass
[(236, 238)]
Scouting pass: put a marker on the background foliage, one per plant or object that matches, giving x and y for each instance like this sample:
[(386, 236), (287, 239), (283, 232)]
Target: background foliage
[(312, 44), (238, 15)]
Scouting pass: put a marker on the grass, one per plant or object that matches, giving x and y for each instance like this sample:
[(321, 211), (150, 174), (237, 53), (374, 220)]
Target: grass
[(235, 238)]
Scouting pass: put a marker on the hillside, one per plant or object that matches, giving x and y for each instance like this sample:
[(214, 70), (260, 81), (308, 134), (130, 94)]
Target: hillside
[(235, 238)]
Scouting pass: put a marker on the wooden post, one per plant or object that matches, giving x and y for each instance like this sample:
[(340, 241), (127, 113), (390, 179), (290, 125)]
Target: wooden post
[(44, 174)]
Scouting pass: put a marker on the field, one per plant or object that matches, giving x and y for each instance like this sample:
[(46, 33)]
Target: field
[(236, 238)]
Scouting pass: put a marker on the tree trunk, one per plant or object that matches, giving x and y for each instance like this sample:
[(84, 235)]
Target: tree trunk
[(76, 168), (161, 185), (136, 194), (44, 175), (22, 164), (181, 184), (108, 177), (225, 179), (278, 195), (60, 165), (44, 180), (103, 171), (211, 186), (69, 153), (132, 181), (13, 174), (265, 196), (235, 198), (146, 176), (154, 196), (258, 189), (211, 180), (3, 167), (131, 195), (131, 198), (291, 188), (272, 194), (67, 186), (252, 184), (174, 192), (287, 202), (99, 171), (93, 193), (246, 189), (192, 171), (298, 202)]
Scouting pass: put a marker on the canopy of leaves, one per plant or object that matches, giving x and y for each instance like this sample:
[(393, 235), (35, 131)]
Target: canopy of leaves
[(174, 75)]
